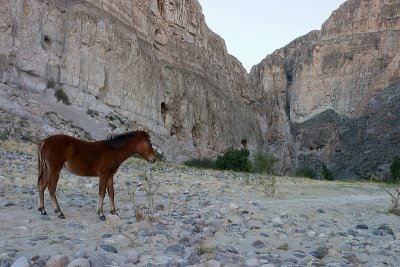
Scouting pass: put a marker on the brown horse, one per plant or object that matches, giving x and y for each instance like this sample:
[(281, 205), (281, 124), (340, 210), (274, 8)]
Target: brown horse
[(99, 158)]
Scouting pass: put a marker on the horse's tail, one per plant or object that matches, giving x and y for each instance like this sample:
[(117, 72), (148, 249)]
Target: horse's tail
[(42, 167)]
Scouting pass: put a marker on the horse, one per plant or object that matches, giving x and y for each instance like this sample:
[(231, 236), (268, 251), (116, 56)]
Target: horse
[(88, 158)]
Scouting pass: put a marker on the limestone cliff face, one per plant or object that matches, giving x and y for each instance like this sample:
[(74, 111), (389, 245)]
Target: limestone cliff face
[(131, 64), (336, 92)]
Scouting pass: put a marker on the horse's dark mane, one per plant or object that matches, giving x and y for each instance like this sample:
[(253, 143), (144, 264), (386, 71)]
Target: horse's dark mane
[(116, 140)]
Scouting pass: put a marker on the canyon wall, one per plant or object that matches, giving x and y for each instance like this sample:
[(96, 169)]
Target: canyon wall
[(334, 94), (327, 98), (153, 65)]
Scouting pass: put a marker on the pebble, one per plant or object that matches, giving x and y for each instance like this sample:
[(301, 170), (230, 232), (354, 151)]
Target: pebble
[(109, 248), (20, 262), (79, 262), (57, 261), (177, 249), (132, 257), (320, 252)]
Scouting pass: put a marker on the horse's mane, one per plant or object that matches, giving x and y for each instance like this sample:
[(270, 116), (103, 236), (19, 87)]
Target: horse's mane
[(116, 140)]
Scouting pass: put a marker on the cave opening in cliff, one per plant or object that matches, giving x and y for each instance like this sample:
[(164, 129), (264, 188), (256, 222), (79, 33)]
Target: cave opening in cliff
[(46, 40), (244, 143), (164, 111)]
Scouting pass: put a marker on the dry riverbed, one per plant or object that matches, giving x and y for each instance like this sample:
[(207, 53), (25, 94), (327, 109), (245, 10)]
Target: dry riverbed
[(193, 217)]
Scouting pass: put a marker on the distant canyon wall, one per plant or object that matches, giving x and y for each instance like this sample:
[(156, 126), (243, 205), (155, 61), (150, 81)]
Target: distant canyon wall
[(333, 94)]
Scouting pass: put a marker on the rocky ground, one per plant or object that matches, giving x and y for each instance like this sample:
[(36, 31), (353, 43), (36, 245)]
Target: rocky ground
[(172, 215)]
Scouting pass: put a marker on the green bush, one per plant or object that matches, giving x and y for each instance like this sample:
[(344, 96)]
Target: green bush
[(326, 173), (263, 163), (234, 159), (305, 172), (200, 163), (395, 170), (62, 96)]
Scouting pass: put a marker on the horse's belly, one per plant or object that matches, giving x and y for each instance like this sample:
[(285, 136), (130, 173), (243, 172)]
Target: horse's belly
[(81, 171)]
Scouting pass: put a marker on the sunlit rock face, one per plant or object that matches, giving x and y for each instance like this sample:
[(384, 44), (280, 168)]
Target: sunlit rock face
[(333, 94), (136, 64)]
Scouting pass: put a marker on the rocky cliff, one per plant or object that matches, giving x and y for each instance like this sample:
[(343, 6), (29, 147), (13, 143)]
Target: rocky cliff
[(125, 65), (329, 97), (332, 96)]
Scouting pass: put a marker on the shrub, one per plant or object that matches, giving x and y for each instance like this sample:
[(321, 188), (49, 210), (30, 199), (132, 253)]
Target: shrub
[(305, 172), (62, 96), (395, 169), (263, 163), (234, 159), (200, 163), (326, 173)]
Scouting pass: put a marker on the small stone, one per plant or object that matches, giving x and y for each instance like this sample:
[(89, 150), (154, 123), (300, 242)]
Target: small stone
[(320, 211), (177, 249), (259, 244), (76, 226), (233, 206), (230, 248), (80, 254), (38, 238), (311, 234), (353, 259), (109, 248), (57, 261), (99, 260), (132, 257), (277, 220), (79, 262), (362, 226), (213, 263), (252, 262), (106, 235), (284, 246), (194, 258), (320, 253), (7, 204), (386, 228), (21, 262)]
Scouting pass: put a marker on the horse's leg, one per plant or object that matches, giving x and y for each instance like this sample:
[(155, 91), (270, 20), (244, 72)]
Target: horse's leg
[(54, 176), (102, 192), (110, 191), (42, 184)]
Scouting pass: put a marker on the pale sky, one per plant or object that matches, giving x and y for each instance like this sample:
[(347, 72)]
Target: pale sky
[(253, 29)]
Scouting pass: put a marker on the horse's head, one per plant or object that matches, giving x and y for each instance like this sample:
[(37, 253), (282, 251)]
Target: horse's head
[(144, 147)]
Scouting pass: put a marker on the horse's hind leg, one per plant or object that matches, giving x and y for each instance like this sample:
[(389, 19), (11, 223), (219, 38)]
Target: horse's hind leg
[(42, 184), (54, 176)]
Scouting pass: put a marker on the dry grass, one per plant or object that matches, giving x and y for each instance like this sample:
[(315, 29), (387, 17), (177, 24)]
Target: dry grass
[(15, 146)]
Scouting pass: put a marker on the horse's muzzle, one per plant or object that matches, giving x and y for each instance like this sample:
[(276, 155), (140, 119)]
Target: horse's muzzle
[(152, 159)]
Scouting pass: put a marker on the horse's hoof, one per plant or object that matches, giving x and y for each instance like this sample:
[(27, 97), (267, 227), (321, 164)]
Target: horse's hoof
[(102, 218), (42, 211), (61, 216)]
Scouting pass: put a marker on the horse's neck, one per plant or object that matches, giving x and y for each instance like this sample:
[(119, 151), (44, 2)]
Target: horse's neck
[(124, 152)]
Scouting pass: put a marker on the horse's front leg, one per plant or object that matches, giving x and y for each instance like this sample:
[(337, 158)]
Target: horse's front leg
[(110, 191), (102, 192)]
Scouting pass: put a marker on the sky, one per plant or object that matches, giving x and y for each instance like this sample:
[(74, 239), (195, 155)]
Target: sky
[(253, 29)]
